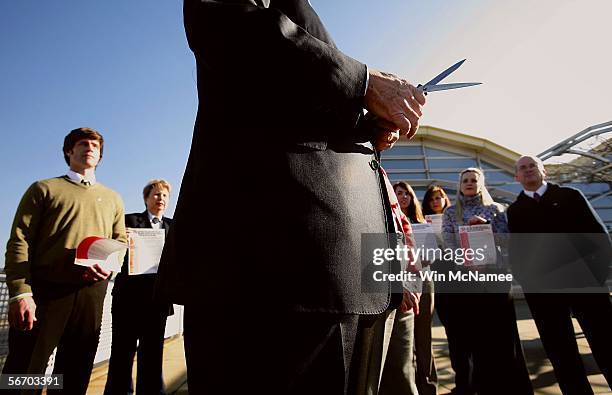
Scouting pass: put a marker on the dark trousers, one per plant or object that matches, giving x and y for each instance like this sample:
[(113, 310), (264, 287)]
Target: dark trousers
[(450, 308), (136, 323), (71, 322), (499, 363), (552, 315), (483, 327), (245, 352)]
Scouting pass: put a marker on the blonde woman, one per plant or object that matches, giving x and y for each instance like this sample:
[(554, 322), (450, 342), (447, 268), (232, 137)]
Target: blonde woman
[(487, 324)]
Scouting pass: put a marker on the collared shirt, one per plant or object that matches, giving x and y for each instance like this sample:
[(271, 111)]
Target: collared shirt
[(76, 177), (155, 225), (540, 191)]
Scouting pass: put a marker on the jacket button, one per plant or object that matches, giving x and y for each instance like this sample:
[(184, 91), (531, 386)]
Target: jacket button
[(374, 164)]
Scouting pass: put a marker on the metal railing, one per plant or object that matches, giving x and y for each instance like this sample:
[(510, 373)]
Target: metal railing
[(174, 326)]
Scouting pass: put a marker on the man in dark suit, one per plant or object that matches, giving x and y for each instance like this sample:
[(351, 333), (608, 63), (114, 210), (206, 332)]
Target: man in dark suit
[(560, 253), (139, 319), (269, 268)]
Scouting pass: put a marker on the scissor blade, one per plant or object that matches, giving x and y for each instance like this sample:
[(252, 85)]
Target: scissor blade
[(443, 87), (445, 73)]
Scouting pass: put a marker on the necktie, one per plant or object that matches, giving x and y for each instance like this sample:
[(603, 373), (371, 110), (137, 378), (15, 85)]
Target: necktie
[(85, 182), (155, 220), (537, 197)]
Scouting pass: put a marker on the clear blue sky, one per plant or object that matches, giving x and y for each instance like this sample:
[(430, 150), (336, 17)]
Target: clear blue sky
[(124, 68)]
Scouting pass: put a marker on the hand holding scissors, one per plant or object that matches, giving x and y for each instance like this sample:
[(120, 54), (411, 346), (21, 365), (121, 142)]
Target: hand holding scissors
[(433, 86), (398, 104), (395, 101)]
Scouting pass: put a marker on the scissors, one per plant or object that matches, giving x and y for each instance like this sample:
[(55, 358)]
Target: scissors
[(433, 85)]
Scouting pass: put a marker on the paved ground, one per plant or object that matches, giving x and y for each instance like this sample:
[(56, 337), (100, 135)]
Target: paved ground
[(541, 371), (175, 371), (542, 376)]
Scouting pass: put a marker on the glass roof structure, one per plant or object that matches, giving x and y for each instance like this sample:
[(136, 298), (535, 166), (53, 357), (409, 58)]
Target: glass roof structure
[(437, 156)]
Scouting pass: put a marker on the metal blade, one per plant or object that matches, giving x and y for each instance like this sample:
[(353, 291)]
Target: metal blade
[(443, 87), (445, 73)]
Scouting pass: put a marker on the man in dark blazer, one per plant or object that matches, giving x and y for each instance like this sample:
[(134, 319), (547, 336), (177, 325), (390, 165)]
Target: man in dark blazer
[(138, 318), (268, 268), (560, 253)]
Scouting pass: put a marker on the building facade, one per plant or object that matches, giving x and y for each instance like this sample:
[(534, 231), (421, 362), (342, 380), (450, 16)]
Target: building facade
[(436, 156)]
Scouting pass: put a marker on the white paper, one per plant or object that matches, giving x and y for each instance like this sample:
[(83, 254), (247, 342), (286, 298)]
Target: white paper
[(424, 236), (145, 249), (435, 220), (479, 237), (103, 252)]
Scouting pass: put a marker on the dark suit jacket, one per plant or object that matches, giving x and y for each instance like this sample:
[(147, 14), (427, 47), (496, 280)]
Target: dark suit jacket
[(281, 181), (558, 242), (138, 288)]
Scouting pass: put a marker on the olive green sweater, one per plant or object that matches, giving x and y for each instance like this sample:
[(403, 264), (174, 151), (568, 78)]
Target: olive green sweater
[(53, 217)]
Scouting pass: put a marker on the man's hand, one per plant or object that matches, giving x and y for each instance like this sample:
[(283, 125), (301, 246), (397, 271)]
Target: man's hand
[(95, 273), (394, 100), (410, 301), (385, 133), (22, 314)]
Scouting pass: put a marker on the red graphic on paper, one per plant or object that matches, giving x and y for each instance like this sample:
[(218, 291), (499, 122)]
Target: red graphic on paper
[(82, 251)]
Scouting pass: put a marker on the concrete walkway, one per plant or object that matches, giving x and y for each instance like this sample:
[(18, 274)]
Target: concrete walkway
[(175, 371), (542, 376)]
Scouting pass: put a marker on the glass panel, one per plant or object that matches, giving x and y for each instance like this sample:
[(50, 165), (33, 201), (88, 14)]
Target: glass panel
[(515, 188), (394, 177), (459, 164), (590, 188), (430, 152), (498, 176), (403, 164), (454, 177), (404, 150), (605, 214), (487, 165), (420, 192), (603, 202)]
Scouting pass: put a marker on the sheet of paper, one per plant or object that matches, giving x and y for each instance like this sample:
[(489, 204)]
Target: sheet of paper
[(479, 237), (145, 249), (435, 220), (97, 250), (424, 236)]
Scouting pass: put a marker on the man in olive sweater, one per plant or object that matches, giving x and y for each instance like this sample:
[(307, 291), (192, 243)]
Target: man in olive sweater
[(53, 302)]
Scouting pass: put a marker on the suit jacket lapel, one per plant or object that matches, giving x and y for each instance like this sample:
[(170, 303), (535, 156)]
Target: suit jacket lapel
[(143, 220), (165, 225)]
